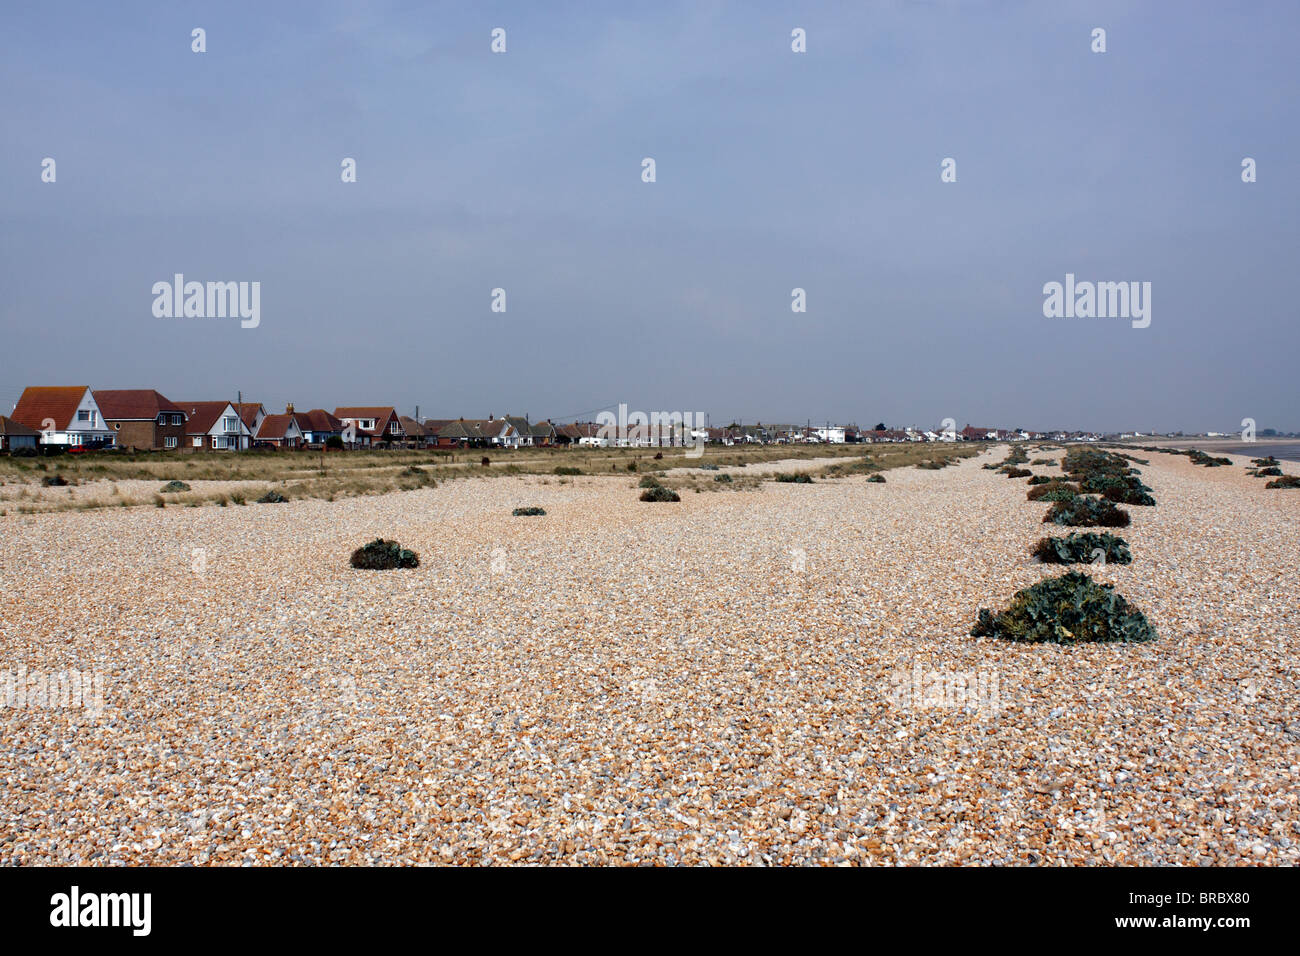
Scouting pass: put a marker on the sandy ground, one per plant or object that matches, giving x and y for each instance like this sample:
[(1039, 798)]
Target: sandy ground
[(721, 680)]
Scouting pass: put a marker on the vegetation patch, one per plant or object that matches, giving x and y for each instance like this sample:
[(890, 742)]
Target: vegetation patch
[(1129, 496), (1269, 471), (1083, 548), (648, 481), (1087, 511), (1019, 473), (1039, 480), (877, 479), (174, 486), (1070, 609), (1055, 490), (1199, 457), (724, 478), (793, 477), (528, 512), (272, 497), (54, 481), (381, 555), (660, 493), (1286, 481), (563, 470)]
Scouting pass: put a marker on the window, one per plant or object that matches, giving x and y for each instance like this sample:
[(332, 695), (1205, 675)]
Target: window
[(178, 419), (162, 419), (169, 441), (83, 415), (198, 441), (231, 423), (393, 428)]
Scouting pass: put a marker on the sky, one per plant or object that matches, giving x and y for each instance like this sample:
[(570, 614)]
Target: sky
[(774, 170)]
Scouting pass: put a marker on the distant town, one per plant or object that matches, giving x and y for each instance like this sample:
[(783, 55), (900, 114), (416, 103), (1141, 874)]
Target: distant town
[(82, 418)]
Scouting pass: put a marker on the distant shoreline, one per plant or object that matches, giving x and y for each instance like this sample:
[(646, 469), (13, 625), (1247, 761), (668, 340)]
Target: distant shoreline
[(1287, 449)]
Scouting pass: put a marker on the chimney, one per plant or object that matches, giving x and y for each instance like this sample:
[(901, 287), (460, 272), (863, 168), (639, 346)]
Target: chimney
[(288, 409)]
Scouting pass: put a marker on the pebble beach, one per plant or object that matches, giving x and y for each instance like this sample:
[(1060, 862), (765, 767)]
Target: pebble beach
[(728, 679)]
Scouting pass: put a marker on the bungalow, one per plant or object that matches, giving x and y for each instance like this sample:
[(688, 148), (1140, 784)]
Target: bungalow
[(544, 434), (64, 415), (479, 433), (214, 426), (142, 419), (372, 423), (415, 431), (318, 426), (15, 435), (282, 431), (521, 428), (971, 433)]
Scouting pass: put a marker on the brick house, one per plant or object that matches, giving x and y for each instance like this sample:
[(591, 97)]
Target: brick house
[(142, 419), (373, 423)]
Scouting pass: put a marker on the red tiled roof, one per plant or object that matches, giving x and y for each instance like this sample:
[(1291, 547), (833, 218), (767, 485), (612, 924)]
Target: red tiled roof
[(379, 412), (41, 402), (132, 404), (202, 415), (318, 420), (275, 426), (247, 412)]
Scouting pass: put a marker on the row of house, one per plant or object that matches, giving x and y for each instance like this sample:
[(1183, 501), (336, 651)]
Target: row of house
[(144, 419)]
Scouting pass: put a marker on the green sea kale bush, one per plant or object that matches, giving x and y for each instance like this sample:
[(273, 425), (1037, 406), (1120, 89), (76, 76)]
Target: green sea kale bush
[(563, 470), (1058, 494), (381, 555), (1129, 496), (528, 512), (174, 486), (1268, 462), (708, 467), (1039, 480), (1071, 609), (877, 479), (1081, 548), (1286, 481), (660, 493), (797, 478), (272, 497), (1086, 511), (1268, 471), (1046, 490), (724, 478)]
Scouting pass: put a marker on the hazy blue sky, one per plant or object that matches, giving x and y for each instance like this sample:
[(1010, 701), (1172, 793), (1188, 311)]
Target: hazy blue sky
[(775, 170)]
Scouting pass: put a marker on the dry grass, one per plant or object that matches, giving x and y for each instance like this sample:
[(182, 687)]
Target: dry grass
[(131, 480)]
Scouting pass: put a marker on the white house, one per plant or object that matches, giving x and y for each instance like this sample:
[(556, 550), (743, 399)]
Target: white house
[(215, 426), (64, 415)]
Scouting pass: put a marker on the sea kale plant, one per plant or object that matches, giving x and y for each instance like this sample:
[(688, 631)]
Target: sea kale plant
[(381, 555), (1070, 609), (1087, 511), (1083, 548)]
